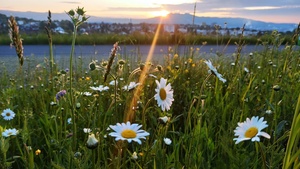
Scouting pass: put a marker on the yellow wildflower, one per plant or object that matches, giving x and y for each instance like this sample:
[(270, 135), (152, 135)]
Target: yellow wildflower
[(38, 152)]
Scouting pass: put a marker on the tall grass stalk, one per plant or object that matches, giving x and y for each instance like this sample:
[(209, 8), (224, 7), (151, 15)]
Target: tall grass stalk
[(15, 38), (77, 19), (49, 33), (292, 153)]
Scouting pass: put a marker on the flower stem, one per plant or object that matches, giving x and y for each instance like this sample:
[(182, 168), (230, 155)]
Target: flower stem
[(262, 155), (71, 87)]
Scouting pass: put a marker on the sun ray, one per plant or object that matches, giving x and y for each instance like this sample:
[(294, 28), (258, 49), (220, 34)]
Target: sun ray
[(130, 113)]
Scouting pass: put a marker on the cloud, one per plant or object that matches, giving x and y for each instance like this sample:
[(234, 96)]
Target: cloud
[(209, 5), (266, 10), (261, 7), (126, 9), (70, 2)]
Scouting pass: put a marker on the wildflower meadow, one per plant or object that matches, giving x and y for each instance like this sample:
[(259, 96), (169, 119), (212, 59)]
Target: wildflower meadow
[(187, 112)]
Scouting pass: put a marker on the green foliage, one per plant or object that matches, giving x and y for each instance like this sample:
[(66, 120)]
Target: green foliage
[(134, 38)]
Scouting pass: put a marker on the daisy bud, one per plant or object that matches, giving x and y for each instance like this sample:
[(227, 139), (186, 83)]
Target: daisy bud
[(134, 156), (167, 141), (77, 105), (159, 68), (77, 155), (92, 66), (276, 87), (104, 63), (121, 62), (92, 142), (164, 119)]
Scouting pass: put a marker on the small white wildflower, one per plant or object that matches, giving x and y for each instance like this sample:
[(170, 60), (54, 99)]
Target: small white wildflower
[(87, 93), (53, 103), (87, 130), (69, 120), (269, 111), (113, 82), (100, 88), (131, 86), (152, 75)]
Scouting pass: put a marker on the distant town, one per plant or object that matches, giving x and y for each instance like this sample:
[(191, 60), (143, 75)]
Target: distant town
[(30, 26)]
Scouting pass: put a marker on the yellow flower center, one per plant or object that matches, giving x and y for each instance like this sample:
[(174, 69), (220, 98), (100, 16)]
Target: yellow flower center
[(251, 132), (127, 133), (162, 94)]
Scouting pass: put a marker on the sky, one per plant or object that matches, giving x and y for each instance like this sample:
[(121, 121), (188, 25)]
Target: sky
[(278, 11)]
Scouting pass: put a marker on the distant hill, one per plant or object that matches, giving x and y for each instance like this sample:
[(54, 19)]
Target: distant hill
[(173, 18), (230, 22)]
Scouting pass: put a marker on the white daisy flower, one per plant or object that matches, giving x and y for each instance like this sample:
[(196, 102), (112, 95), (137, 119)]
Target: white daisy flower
[(8, 114), (214, 70), (167, 141), (164, 94), (131, 86), (9, 132), (129, 132), (251, 129), (100, 88), (87, 130)]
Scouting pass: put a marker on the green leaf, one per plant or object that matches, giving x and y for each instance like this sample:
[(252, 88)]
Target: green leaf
[(80, 11), (71, 12), (280, 128)]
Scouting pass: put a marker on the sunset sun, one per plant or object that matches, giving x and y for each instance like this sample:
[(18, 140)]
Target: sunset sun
[(162, 13)]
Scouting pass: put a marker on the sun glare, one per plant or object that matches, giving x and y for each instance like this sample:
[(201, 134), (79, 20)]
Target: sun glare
[(162, 13)]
